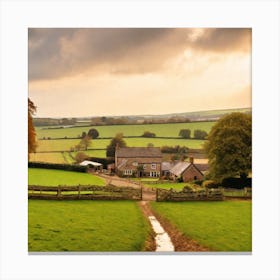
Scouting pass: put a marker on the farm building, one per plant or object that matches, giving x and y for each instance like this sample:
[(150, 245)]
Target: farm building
[(92, 164), (166, 167), (188, 171), (138, 161)]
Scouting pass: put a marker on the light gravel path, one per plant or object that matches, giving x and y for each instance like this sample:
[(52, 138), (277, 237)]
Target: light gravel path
[(163, 241)]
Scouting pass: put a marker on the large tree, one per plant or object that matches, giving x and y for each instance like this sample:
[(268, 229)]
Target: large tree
[(229, 146), (117, 140), (31, 130), (93, 133)]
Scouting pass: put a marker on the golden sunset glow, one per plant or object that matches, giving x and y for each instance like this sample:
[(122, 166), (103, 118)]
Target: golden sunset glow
[(130, 71)]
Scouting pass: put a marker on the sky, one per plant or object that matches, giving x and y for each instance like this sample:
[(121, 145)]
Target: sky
[(83, 72)]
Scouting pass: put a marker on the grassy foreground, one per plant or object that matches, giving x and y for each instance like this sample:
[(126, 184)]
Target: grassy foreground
[(49, 177), (221, 226), (81, 226)]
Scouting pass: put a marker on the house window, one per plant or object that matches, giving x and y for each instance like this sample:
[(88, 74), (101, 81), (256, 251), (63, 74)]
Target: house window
[(154, 174), (144, 166), (127, 172), (135, 163), (153, 166)]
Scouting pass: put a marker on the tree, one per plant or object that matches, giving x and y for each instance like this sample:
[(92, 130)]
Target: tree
[(117, 140), (229, 146), (200, 134), (80, 157), (185, 133), (93, 133), (31, 130), (85, 142), (149, 134)]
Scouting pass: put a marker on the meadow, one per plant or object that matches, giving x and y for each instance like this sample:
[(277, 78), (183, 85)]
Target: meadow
[(53, 146), (84, 226), (161, 130), (220, 226), (51, 177)]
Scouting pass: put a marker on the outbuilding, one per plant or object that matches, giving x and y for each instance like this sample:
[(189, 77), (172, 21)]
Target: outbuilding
[(185, 170), (92, 164)]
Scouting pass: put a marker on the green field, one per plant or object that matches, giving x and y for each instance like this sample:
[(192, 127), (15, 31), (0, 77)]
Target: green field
[(163, 130), (166, 185), (80, 226), (65, 145), (220, 226), (50, 177)]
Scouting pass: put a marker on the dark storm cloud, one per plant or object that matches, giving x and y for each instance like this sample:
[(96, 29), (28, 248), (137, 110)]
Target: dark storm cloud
[(58, 52)]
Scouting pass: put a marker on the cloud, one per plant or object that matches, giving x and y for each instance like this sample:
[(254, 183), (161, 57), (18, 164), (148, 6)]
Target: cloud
[(60, 52)]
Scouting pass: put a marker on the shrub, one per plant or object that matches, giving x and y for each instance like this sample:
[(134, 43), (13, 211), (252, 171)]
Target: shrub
[(210, 184), (200, 134), (237, 183), (185, 133), (149, 134)]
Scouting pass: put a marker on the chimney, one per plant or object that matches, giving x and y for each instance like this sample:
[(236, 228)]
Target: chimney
[(191, 160)]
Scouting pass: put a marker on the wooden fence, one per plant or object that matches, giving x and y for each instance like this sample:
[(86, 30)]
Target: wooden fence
[(84, 192), (189, 195), (238, 193)]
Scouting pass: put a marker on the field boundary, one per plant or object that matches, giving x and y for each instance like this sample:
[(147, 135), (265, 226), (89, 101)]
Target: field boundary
[(189, 195), (85, 192)]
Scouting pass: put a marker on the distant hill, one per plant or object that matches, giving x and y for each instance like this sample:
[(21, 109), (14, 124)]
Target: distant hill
[(210, 115)]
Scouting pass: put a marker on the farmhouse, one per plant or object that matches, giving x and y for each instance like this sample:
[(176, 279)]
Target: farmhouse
[(138, 161), (186, 170)]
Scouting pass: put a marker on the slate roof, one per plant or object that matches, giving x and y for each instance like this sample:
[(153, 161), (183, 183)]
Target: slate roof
[(136, 152), (179, 168), (167, 165)]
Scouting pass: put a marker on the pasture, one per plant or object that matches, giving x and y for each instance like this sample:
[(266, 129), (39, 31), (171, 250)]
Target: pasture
[(50, 177), (161, 130), (85, 226), (220, 226)]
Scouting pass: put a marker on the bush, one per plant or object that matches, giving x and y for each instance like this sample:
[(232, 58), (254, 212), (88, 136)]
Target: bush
[(185, 133), (149, 134), (66, 167), (237, 183), (200, 134), (210, 184), (198, 182)]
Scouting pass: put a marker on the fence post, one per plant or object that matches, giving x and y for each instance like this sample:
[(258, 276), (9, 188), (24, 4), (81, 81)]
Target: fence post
[(79, 191), (58, 191), (141, 193)]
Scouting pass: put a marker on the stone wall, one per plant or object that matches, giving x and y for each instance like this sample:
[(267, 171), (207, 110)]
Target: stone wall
[(189, 195)]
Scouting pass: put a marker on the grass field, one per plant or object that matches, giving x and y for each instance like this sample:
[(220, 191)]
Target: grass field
[(47, 157), (166, 185), (221, 226), (49, 177), (80, 226), (171, 130)]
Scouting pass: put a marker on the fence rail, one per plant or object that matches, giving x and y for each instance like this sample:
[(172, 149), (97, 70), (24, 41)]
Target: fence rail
[(84, 192)]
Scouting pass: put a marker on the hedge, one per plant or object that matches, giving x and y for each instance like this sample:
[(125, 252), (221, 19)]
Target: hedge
[(66, 167), (103, 161), (237, 183)]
